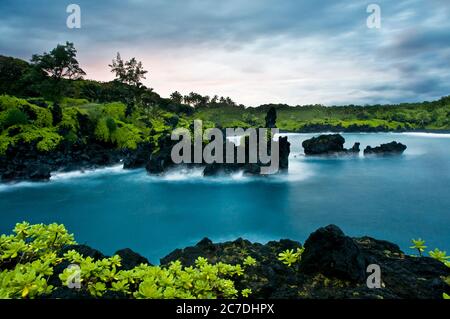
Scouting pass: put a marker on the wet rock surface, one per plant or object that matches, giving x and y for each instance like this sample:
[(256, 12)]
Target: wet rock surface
[(393, 148), (333, 265), (332, 144)]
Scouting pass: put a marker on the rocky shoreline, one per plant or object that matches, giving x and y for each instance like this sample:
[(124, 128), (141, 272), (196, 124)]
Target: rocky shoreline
[(333, 145), (333, 266), (24, 163)]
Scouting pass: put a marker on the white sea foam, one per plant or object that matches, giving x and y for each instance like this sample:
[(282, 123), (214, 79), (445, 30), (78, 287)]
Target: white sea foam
[(423, 134), (13, 186), (117, 169)]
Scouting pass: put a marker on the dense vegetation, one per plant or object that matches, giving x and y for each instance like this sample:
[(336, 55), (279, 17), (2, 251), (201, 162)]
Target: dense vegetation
[(35, 256), (30, 256), (47, 103)]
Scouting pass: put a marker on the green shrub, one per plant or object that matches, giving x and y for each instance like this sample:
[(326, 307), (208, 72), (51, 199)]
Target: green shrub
[(42, 116), (46, 139), (111, 125), (289, 257), (71, 102), (127, 136), (33, 249), (102, 133), (14, 116), (115, 110), (70, 119), (10, 102)]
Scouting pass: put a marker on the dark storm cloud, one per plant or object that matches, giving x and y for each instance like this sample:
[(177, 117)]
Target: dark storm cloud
[(413, 46)]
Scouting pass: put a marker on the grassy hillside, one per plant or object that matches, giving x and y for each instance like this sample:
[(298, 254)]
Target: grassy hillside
[(427, 116), (39, 110)]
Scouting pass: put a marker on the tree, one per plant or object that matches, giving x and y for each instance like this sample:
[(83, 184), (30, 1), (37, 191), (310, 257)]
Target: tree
[(60, 63), (176, 97), (11, 73), (129, 72), (215, 99), (51, 71)]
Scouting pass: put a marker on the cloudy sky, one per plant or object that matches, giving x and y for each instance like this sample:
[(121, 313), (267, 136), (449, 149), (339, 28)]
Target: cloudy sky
[(255, 51)]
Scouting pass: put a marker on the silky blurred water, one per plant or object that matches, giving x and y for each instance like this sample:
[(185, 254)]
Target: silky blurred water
[(392, 198)]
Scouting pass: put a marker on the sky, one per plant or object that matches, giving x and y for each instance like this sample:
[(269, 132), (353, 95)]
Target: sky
[(255, 51)]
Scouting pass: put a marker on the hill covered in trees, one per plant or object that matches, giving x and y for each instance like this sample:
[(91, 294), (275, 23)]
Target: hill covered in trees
[(49, 114)]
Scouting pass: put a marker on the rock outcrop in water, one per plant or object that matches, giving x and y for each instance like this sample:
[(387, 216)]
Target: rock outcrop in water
[(328, 145), (161, 160), (392, 148)]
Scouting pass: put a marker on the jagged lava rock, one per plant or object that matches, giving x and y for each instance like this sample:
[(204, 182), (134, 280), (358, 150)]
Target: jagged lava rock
[(130, 259), (392, 148), (328, 145), (329, 252)]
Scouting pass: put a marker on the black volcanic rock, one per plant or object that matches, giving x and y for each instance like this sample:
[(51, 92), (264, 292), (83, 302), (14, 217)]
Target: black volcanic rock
[(39, 172), (130, 259), (329, 252), (285, 150), (330, 144), (271, 118), (392, 148), (161, 160), (138, 158), (83, 250), (333, 265)]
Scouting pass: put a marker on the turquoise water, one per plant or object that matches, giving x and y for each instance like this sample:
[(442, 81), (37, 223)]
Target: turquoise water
[(393, 198)]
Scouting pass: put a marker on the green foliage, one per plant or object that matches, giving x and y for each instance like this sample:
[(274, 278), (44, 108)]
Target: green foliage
[(445, 296), (33, 250), (419, 245), (102, 132), (45, 139), (115, 110), (72, 102), (127, 136), (246, 292), (14, 117), (439, 255), (69, 120), (59, 63), (10, 102), (26, 280), (12, 72), (203, 281), (289, 257), (14, 111), (31, 242), (250, 261), (130, 72)]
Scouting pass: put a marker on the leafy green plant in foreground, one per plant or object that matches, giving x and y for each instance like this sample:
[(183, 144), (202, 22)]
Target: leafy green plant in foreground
[(439, 255), (419, 244), (28, 258), (289, 257)]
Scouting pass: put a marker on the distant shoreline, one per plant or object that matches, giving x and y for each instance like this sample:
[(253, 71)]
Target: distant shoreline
[(331, 130)]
